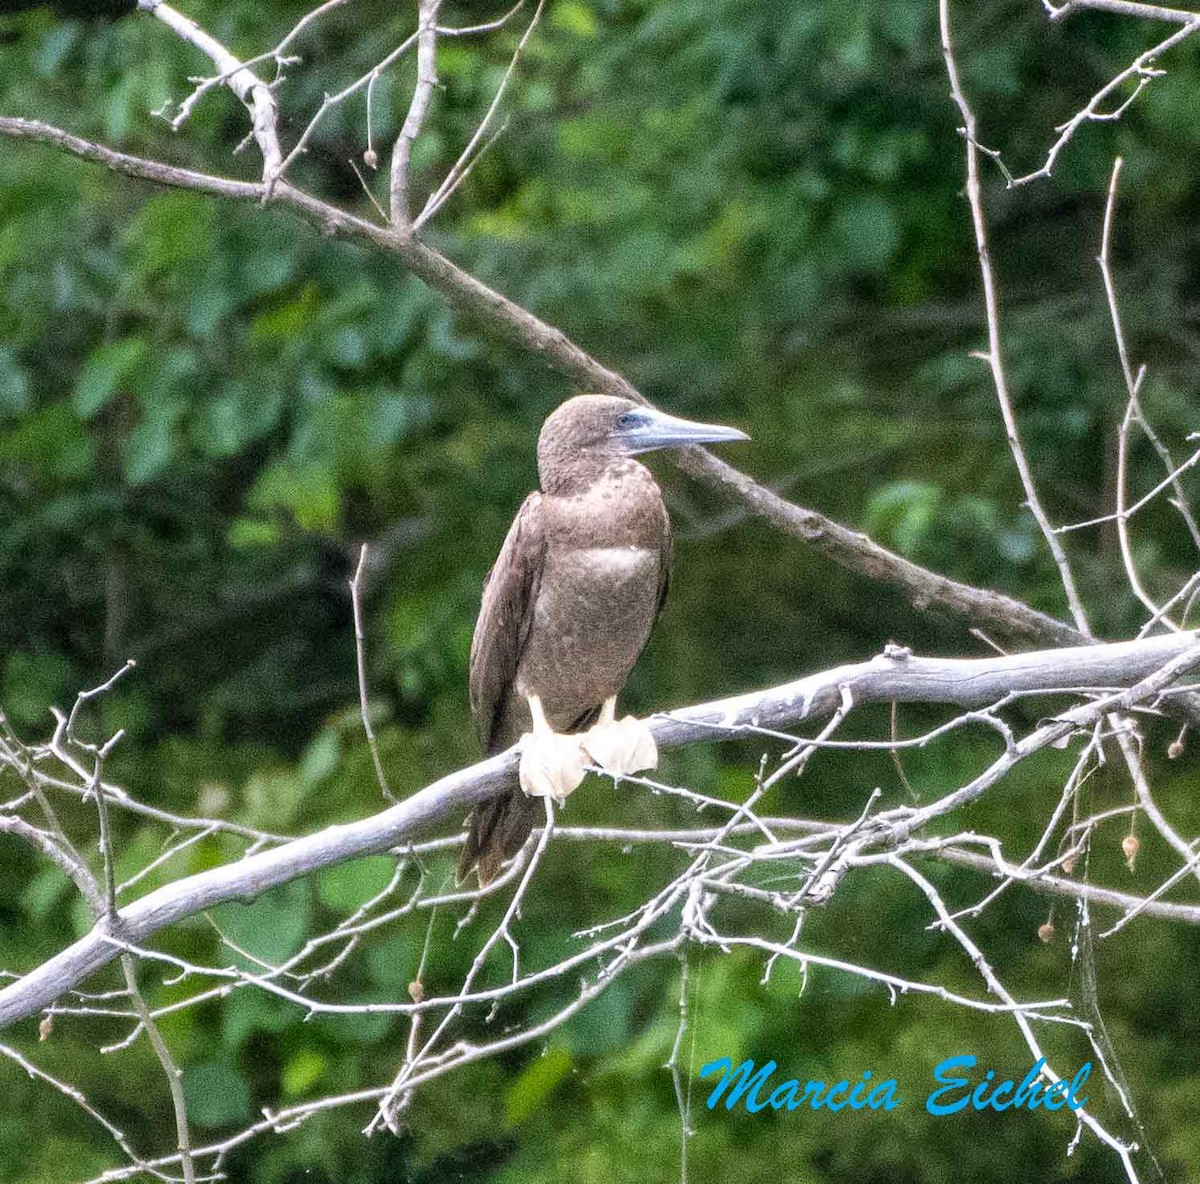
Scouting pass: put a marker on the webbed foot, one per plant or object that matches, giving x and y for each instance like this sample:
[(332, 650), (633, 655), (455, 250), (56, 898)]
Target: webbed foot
[(551, 765), (620, 746)]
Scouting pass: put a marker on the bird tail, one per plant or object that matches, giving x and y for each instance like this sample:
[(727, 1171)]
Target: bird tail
[(497, 831)]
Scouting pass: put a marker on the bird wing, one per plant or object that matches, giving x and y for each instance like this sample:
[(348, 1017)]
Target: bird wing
[(505, 617), (667, 553)]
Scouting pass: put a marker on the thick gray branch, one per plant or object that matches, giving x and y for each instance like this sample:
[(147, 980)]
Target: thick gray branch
[(851, 549), (896, 676)]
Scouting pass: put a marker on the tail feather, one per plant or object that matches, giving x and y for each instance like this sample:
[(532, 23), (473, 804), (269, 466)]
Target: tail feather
[(497, 830)]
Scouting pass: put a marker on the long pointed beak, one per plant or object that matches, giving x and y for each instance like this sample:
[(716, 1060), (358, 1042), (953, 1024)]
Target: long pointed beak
[(646, 429)]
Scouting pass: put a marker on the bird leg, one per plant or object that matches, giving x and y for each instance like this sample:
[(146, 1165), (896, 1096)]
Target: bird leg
[(552, 764), (622, 746)]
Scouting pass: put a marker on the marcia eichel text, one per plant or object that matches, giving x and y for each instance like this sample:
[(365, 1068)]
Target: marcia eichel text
[(957, 1087)]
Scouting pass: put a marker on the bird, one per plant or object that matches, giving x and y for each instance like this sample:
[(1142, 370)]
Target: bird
[(567, 608)]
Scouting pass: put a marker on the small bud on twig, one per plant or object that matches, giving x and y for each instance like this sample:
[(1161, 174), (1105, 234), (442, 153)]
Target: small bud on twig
[(1131, 847), (1046, 931)]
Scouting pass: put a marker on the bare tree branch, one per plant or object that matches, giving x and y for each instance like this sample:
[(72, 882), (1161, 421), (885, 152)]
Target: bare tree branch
[(427, 32), (244, 83), (895, 675), (925, 590), (360, 655), (994, 356), (780, 867), (1141, 71)]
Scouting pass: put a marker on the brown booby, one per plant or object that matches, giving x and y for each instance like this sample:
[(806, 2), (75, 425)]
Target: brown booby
[(567, 608)]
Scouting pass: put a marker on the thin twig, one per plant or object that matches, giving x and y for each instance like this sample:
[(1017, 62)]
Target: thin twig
[(361, 662), (463, 165)]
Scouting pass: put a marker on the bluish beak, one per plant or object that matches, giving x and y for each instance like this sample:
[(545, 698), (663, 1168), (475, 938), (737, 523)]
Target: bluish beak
[(645, 429)]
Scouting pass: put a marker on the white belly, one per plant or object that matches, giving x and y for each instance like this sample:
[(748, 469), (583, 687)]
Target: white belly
[(618, 563)]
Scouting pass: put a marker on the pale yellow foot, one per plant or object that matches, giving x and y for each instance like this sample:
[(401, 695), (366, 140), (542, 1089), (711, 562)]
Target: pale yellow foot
[(552, 765), (621, 746)]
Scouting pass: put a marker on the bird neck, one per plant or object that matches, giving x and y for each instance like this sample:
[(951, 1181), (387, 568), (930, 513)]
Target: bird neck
[(572, 474), (621, 506)]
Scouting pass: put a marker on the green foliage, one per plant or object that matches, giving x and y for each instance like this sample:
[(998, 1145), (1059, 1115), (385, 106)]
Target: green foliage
[(216, 1095), (536, 1083), (350, 885), (269, 929), (755, 212)]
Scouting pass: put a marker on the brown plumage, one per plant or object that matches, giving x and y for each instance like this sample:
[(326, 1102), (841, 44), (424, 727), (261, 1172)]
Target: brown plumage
[(573, 595)]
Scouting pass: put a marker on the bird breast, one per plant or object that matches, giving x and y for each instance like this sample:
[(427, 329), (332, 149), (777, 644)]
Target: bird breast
[(594, 611), (616, 566)]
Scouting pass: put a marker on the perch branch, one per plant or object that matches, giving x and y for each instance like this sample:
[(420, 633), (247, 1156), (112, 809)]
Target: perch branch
[(896, 675)]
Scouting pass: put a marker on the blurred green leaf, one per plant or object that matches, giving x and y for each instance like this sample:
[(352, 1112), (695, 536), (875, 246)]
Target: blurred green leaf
[(51, 442), (33, 683), (172, 232), (245, 1013), (250, 532), (302, 1072), (902, 513), (45, 892), (147, 450), (349, 885), (536, 1083), (108, 366), (864, 232), (308, 491), (321, 757), (14, 385), (270, 928), (216, 1095)]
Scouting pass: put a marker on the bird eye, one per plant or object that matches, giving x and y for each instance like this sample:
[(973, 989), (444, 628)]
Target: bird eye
[(627, 420)]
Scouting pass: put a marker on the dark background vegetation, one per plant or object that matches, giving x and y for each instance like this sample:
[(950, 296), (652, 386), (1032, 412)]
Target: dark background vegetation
[(754, 212)]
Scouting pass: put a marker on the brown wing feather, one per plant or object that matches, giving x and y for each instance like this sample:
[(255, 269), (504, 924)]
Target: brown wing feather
[(498, 828), (667, 555), (505, 617)]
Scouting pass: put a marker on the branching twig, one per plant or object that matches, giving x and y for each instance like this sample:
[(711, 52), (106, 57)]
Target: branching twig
[(965, 682), (848, 548), (244, 83)]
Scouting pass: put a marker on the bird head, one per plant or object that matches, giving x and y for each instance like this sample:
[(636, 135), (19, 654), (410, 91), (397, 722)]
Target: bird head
[(593, 431)]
